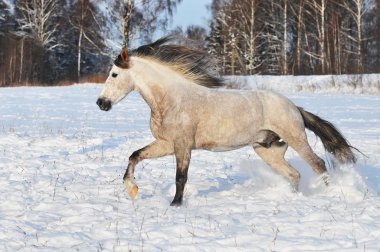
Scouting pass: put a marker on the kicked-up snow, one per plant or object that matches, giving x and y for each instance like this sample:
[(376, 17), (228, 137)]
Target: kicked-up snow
[(62, 162)]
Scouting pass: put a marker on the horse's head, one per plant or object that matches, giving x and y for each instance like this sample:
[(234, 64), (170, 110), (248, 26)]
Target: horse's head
[(118, 84)]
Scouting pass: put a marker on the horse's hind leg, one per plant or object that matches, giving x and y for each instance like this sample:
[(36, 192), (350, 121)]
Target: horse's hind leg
[(274, 156), (302, 147)]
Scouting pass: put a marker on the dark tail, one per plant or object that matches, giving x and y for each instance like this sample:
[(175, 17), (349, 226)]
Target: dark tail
[(333, 141)]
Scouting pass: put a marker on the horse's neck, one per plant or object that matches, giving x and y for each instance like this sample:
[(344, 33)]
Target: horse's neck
[(159, 85)]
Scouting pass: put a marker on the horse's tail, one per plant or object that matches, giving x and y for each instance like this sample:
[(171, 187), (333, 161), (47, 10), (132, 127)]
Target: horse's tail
[(333, 141)]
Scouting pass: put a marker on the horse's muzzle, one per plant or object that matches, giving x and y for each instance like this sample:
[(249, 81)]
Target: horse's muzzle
[(104, 104)]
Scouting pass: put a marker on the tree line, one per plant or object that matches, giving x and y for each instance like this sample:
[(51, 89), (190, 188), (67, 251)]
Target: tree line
[(296, 36), (45, 42), (50, 41)]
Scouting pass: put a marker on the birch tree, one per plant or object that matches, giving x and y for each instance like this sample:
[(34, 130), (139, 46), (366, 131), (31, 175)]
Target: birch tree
[(147, 17), (273, 37), (283, 36), (298, 12), (318, 13), (86, 23), (36, 18), (248, 13), (357, 10), (284, 53)]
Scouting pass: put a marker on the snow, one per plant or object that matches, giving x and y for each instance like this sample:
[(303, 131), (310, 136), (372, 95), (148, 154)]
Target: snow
[(349, 84), (62, 162)]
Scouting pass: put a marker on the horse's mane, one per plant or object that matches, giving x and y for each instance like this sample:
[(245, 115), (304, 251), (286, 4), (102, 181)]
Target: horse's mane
[(193, 64)]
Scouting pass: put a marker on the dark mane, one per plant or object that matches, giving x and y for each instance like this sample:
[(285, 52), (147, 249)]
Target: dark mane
[(193, 64)]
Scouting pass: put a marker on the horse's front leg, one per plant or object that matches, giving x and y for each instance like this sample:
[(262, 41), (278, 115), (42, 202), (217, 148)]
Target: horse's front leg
[(183, 155), (154, 150)]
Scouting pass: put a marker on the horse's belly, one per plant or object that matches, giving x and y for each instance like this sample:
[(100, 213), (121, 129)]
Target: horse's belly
[(216, 140), (219, 148), (228, 129)]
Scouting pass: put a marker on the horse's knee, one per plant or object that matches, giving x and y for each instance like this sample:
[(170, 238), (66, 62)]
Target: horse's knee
[(134, 159), (135, 156)]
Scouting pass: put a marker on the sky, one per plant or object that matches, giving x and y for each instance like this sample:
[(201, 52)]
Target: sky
[(191, 12)]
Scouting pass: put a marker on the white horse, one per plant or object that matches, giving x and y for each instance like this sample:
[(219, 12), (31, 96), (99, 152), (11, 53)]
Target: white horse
[(187, 114)]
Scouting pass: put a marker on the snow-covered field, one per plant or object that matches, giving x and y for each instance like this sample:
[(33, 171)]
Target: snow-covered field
[(347, 84), (62, 161)]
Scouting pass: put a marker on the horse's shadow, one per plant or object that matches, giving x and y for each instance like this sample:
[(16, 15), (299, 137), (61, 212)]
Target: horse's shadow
[(370, 175), (223, 185)]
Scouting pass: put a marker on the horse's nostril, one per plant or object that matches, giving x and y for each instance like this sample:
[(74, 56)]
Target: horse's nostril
[(99, 102), (104, 104)]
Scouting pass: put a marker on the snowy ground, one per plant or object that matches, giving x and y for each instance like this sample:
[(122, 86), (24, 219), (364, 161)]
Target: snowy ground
[(62, 161), (347, 84)]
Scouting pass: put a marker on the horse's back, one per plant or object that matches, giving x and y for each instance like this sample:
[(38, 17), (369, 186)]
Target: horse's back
[(269, 110)]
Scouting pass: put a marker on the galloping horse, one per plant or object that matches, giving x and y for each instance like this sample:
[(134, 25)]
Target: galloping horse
[(187, 114)]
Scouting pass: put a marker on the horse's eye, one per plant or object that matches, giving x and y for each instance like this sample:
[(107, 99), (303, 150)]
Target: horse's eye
[(114, 75)]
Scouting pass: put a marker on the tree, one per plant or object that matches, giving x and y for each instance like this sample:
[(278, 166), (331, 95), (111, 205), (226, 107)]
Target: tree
[(276, 36), (316, 34), (298, 30), (218, 35), (356, 9), (147, 17), (371, 45), (250, 34), (37, 19), (7, 20), (86, 22), (194, 36)]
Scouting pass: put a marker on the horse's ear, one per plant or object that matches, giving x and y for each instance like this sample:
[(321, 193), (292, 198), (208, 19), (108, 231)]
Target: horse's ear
[(122, 59), (124, 55)]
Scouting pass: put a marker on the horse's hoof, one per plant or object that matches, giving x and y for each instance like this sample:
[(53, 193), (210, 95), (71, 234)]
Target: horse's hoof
[(176, 203), (132, 188)]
